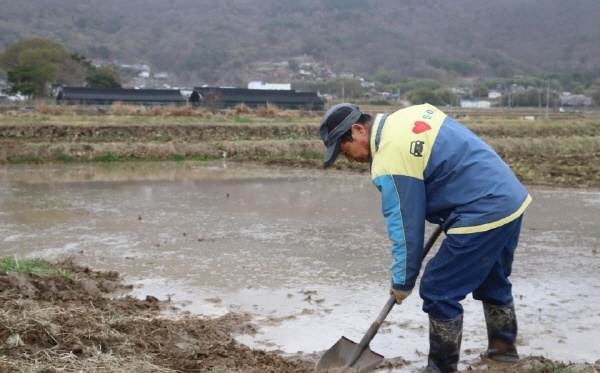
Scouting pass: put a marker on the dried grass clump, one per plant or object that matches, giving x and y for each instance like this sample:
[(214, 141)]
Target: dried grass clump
[(10, 113), (82, 339), (547, 146), (203, 113), (52, 109), (242, 108), (299, 114), (268, 111), (120, 108), (157, 111), (40, 323), (293, 114), (225, 113), (179, 111), (51, 361)]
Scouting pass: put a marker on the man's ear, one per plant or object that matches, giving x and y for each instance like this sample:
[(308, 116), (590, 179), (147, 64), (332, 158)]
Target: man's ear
[(358, 128)]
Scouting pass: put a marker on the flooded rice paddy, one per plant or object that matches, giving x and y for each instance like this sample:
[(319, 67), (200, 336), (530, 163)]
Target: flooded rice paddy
[(304, 251)]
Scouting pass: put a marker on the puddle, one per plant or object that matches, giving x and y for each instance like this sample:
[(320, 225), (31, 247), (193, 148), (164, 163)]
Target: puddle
[(304, 250)]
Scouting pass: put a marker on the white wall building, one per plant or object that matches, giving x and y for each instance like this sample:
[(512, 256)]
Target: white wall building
[(492, 95), (473, 104), (257, 84)]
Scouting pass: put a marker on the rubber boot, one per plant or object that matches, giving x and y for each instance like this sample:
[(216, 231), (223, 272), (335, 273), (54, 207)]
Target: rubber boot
[(501, 322), (444, 345)]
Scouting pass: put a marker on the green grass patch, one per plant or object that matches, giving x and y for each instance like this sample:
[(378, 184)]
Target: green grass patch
[(26, 159), (106, 157), (62, 157), (176, 157), (242, 120), (35, 266), (309, 154), (203, 157), (549, 367)]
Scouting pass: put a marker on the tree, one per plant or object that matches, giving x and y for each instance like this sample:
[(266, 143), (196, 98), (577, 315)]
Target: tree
[(33, 74), (480, 91), (293, 65), (595, 94), (447, 97), (11, 57), (33, 64), (22, 82), (345, 87), (104, 77), (385, 76), (424, 95), (72, 72)]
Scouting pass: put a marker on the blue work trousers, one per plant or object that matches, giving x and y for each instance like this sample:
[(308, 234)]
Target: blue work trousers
[(478, 263)]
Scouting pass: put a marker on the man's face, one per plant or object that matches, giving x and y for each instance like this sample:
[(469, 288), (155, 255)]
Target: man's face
[(357, 150)]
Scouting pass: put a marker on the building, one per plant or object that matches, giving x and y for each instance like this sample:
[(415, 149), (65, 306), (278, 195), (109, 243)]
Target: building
[(107, 96), (475, 104), (257, 84), (220, 98), (575, 100)]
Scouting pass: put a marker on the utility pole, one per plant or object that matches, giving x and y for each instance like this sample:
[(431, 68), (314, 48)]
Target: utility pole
[(547, 97)]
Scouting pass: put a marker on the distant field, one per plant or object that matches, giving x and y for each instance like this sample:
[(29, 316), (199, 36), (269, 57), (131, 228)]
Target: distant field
[(562, 151)]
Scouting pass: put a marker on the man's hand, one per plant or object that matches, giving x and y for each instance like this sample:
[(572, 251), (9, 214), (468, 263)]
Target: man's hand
[(400, 295)]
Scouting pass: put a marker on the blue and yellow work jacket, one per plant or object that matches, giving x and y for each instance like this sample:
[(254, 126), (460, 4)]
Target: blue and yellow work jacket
[(428, 167)]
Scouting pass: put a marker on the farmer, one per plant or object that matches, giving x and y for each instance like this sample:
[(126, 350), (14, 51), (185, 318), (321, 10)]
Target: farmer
[(429, 167)]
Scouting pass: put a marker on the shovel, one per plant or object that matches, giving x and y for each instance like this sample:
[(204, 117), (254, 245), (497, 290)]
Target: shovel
[(347, 355)]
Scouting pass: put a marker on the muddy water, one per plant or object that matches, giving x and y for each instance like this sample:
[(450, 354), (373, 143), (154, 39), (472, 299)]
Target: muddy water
[(303, 250)]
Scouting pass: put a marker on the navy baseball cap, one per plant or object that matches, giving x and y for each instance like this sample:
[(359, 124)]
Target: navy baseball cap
[(336, 122)]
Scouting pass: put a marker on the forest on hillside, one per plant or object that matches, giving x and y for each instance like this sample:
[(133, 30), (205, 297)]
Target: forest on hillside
[(217, 41)]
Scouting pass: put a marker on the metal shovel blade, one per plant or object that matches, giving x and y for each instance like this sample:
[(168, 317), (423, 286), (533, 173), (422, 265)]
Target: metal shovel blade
[(341, 354), (347, 356)]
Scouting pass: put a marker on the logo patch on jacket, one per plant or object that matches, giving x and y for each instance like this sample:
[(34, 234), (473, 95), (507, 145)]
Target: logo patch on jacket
[(416, 148), (420, 127)]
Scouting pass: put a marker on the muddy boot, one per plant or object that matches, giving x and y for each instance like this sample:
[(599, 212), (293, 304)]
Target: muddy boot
[(444, 345), (501, 322)]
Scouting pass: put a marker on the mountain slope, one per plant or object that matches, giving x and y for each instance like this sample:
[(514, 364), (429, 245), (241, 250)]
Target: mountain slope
[(212, 41)]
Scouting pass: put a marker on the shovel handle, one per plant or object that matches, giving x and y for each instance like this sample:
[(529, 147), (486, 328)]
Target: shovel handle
[(366, 339), (434, 236)]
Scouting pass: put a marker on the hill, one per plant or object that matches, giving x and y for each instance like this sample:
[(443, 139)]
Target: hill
[(220, 42)]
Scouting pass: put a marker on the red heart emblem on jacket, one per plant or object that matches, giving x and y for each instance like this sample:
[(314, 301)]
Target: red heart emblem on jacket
[(420, 127)]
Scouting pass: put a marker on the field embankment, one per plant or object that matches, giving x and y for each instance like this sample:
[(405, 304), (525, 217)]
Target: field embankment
[(561, 152)]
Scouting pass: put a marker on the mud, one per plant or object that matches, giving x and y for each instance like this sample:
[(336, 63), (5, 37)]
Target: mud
[(80, 323), (77, 324), (281, 262)]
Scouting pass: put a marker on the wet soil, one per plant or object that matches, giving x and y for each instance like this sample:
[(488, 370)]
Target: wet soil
[(86, 322), (80, 323)]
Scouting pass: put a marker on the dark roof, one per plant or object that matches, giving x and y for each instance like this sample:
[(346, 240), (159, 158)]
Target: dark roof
[(120, 94), (257, 96)]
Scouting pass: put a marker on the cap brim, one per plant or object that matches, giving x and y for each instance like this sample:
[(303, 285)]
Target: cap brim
[(332, 153)]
